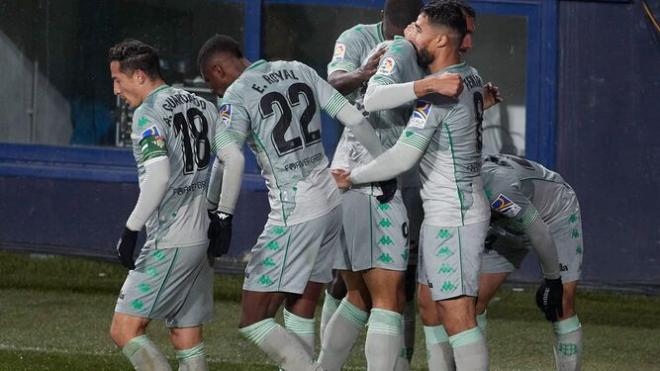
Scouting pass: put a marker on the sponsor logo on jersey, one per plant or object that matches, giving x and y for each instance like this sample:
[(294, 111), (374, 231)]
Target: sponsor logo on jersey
[(386, 66), (152, 135), (225, 114), (340, 51), (420, 114), (505, 206)]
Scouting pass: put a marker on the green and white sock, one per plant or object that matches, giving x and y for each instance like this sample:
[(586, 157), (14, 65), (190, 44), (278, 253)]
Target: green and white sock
[(470, 350), (144, 355), (568, 344), (383, 344), (402, 362), (482, 322), (330, 305), (302, 328), (281, 346), (439, 354), (193, 359), (340, 335)]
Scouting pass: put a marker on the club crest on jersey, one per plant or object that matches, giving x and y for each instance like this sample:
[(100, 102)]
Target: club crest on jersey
[(225, 114), (420, 114), (386, 66), (340, 51), (505, 206)]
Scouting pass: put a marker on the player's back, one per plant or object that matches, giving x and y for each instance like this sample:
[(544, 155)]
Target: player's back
[(175, 123), (451, 165), (543, 187), (277, 108)]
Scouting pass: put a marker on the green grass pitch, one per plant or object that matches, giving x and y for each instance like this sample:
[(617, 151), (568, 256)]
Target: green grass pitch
[(55, 314)]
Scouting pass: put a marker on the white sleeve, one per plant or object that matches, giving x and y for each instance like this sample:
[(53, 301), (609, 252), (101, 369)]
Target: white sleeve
[(392, 163), (215, 182), (361, 128), (232, 176), (542, 242), (152, 190), (381, 97)]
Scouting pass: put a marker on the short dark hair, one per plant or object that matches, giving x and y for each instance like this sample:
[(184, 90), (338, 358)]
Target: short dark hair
[(218, 44), (467, 9), (402, 12), (135, 55), (448, 14)]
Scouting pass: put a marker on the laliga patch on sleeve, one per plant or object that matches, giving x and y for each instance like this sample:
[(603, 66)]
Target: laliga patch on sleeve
[(151, 132), (420, 115), (340, 51), (225, 114), (386, 66), (505, 206)]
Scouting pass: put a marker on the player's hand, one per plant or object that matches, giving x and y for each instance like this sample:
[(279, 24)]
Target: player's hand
[(491, 95), (548, 299), (126, 247), (388, 187), (371, 65), (410, 32), (342, 178), (447, 84), (219, 233)]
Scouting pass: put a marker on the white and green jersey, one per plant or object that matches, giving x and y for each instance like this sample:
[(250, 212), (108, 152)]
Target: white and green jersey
[(176, 124), (520, 190), (450, 134), (275, 107)]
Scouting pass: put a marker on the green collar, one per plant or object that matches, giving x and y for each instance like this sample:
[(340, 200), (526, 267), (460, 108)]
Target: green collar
[(256, 64)]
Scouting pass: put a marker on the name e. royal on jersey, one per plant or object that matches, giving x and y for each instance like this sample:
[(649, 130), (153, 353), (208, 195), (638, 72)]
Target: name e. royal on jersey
[(275, 77)]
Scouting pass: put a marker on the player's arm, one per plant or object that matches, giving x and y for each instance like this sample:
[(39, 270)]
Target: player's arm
[(226, 176), (153, 185), (346, 71), (387, 96)]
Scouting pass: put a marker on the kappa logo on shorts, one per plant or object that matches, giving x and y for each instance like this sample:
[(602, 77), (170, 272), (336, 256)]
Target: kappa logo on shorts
[(420, 114), (505, 206), (340, 51), (386, 66), (225, 114)]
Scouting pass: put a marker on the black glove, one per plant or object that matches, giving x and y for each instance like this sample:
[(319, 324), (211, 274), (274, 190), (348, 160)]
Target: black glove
[(548, 299), (389, 189), (126, 247), (219, 233)]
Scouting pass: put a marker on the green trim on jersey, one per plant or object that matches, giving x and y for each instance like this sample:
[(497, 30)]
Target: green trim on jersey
[(226, 137), (453, 164), (286, 252), (381, 80), (256, 64), (379, 27), (162, 87), (415, 140), (528, 217), (456, 66), (335, 104), (162, 284), (460, 257)]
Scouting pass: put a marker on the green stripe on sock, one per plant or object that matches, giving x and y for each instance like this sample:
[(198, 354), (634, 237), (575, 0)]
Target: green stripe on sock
[(298, 325), (382, 321), (352, 313), (197, 351), (567, 325), (435, 335), (134, 345), (482, 321), (256, 332), (466, 337)]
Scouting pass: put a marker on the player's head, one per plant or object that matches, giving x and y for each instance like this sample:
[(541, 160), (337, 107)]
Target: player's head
[(219, 62), (135, 68), (439, 28), (470, 17), (397, 14)]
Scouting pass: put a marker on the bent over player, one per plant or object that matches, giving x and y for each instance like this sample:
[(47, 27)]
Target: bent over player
[(275, 108), (171, 279), (534, 208)]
